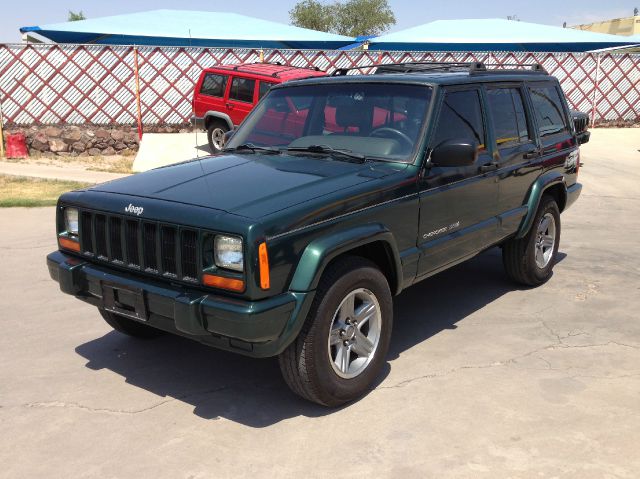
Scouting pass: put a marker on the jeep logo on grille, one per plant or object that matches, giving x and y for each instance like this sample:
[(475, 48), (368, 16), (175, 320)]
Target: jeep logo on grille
[(135, 210)]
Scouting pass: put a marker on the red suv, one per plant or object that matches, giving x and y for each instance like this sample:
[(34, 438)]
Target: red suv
[(225, 95)]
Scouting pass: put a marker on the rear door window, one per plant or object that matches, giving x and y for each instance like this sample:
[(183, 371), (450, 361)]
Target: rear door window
[(214, 85), (461, 118), (549, 111), (508, 116), (242, 89)]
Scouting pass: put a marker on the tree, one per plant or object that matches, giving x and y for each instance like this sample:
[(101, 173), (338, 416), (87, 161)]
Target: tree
[(75, 16), (363, 17), (312, 14), (351, 18)]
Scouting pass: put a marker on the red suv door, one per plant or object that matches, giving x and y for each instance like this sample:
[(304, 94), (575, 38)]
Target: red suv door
[(211, 94), (241, 98)]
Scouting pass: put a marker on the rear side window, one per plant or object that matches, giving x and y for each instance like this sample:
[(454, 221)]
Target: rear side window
[(461, 118), (264, 89), (242, 89), (509, 119), (214, 85), (549, 111)]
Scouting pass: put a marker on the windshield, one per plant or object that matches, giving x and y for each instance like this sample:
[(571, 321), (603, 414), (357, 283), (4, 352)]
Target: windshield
[(374, 120)]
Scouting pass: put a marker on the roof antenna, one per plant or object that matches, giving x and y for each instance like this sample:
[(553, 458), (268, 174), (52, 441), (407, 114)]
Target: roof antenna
[(194, 126)]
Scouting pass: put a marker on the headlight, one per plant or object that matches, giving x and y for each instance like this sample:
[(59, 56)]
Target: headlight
[(71, 221), (228, 252)]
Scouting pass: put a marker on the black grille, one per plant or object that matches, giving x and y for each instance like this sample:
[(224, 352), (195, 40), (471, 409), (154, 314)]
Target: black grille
[(142, 245), (168, 234), (189, 254), (115, 233), (149, 246), (133, 251), (101, 235)]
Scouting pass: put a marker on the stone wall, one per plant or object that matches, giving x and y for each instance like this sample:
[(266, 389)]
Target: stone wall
[(86, 140), (79, 141)]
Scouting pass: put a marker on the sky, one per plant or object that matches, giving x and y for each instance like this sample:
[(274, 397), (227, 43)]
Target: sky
[(16, 14)]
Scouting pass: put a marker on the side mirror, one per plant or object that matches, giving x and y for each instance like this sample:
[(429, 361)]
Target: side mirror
[(455, 153)]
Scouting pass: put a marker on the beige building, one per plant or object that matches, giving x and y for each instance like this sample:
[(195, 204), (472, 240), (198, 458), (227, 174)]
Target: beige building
[(617, 26)]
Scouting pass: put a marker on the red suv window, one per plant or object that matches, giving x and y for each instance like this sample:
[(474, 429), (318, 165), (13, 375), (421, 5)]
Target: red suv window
[(264, 88), (214, 85), (242, 89)]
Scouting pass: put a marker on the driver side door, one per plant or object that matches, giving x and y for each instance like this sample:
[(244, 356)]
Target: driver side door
[(458, 205)]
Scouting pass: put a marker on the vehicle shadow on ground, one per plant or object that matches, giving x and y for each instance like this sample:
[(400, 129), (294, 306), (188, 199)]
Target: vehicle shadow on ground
[(251, 391), (204, 148)]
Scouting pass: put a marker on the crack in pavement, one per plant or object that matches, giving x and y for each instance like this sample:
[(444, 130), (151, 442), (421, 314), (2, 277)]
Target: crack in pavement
[(578, 332), (559, 344), (75, 405)]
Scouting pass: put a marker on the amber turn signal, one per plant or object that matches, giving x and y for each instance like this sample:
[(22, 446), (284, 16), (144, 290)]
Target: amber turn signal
[(263, 258), (223, 283), (69, 244)]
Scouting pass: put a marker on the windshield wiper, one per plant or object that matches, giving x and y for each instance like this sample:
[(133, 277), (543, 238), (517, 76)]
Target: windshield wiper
[(253, 148), (329, 150)]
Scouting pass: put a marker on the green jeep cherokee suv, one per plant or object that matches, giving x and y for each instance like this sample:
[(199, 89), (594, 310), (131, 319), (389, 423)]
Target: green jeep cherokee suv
[(333, 196)]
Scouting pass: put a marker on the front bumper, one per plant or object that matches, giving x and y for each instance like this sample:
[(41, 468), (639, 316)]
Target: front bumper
[(254, 328)]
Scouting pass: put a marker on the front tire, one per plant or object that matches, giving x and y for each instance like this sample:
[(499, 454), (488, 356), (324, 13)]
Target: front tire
[(344, 342), (215, 135), (129, 326), (530, 260)]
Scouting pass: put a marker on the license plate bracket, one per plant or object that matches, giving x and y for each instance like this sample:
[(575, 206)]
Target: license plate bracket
[(126, 301)]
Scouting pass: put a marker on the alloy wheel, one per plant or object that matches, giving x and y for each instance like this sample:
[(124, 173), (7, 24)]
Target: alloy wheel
[(545, 240), (217, 137), (355, 333)]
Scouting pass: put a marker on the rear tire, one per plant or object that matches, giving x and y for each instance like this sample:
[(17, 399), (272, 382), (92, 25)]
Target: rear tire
[(215, 135), (530, 260), (129, 326), (345, 339)]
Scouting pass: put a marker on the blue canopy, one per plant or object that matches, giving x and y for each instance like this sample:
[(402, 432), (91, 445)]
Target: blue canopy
[(188, 28), (496, 35)]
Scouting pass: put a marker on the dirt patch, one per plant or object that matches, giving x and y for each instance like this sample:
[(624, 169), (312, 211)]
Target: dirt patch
[(109, 164), (23, 191)]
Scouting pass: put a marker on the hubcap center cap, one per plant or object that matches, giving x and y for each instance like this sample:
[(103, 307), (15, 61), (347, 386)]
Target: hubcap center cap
[(350, 332)]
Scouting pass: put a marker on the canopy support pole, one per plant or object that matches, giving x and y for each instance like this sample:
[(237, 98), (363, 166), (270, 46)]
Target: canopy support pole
[(1, 131)]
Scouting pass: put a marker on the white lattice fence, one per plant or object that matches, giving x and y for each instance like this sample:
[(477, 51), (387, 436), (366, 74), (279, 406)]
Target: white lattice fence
[(67, 84), (76, 84)]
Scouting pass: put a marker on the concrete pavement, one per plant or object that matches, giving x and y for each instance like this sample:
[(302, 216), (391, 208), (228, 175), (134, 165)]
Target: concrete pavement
[(161, 149), (484, 379)]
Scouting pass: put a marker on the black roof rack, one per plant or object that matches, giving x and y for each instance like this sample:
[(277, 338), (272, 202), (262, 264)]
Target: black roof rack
[(512, 68), (473, 68)]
